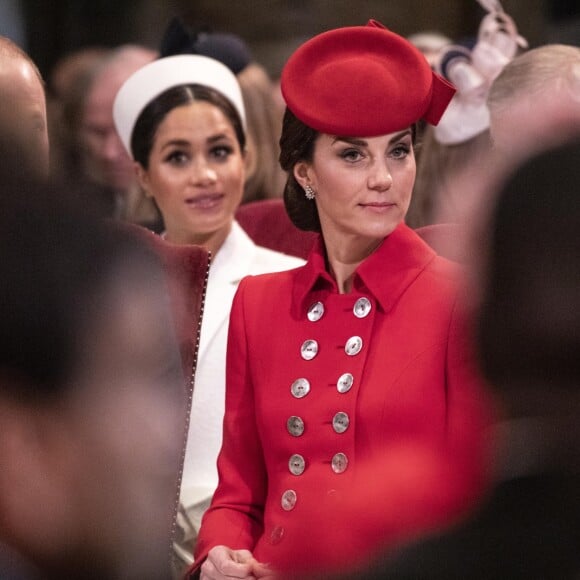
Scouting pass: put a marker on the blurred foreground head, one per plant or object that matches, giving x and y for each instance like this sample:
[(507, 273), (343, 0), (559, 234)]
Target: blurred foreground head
[(23, 106), (90, 392), (530, 317), (535, 102)]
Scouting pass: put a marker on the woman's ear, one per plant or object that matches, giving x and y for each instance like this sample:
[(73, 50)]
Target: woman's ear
[(301, 173), (142, 178)]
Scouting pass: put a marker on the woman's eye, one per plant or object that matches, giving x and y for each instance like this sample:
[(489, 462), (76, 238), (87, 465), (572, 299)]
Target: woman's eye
[(400, 151), (351, 155), (221, 152), (176, 158)]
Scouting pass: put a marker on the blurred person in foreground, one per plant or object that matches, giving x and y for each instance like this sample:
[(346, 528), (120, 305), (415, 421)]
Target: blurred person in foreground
[(529, 345), (91, 395), (23, 119)]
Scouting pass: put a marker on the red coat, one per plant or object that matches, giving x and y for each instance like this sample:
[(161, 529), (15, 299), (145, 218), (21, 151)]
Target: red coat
[(290, 446)]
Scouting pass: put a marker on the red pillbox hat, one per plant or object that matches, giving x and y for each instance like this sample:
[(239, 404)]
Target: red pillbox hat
[(362, 81)]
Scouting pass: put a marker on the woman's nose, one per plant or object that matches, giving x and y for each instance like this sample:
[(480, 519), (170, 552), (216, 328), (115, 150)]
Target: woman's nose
[(380, 178), (203, 173)]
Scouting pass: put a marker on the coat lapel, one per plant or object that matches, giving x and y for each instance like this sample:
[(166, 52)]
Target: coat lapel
[(230, 265)]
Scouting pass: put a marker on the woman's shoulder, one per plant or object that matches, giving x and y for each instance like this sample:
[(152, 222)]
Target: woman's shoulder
[(266, 292), (443, 276), (444, 267)]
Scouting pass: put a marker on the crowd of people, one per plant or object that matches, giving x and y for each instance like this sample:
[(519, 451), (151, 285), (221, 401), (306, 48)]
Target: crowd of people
[(178, 401)]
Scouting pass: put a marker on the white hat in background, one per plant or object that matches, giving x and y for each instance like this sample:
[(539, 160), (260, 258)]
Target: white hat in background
[(165, 73)]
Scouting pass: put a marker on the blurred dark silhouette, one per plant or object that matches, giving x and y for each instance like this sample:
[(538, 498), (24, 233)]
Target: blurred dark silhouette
[(92, 405)]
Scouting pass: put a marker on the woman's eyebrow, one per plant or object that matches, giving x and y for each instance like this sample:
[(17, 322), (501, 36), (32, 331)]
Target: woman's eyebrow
[(185, 143), (363, 143), (351, 141), (400, 135), (175, 143), (217, 137)]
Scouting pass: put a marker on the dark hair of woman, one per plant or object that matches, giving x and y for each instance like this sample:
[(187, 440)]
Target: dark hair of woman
[(297, 144), (155, 112)]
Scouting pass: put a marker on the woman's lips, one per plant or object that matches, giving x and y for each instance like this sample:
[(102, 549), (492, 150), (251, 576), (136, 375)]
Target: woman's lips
[(205, 201), (378, 206)]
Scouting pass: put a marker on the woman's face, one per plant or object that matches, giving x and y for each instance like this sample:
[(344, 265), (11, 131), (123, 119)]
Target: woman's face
[(195, 173), (363, 185)]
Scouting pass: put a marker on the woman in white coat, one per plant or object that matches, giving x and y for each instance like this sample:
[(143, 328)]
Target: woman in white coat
[(182, 120)]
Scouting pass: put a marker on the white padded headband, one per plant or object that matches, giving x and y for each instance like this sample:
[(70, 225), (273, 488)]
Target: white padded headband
[(156, 77)]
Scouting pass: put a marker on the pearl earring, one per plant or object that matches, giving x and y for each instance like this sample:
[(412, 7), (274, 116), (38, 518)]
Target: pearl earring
[(309, 192)]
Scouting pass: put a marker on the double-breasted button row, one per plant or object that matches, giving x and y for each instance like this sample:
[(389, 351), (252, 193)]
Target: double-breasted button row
[(297, 465), (361, 309), (301, 387), (309, 348), (295, 425)]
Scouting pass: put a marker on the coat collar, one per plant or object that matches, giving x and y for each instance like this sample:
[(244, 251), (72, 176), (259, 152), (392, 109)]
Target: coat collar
[(385, 274), (232, 261), (230, 265)]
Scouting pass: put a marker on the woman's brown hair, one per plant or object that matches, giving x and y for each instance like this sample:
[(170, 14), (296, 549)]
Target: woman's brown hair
[(297, 144)]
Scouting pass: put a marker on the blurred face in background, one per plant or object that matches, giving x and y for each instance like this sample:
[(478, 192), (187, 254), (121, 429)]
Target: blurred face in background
[(196, 174), (23, 111), (105, 158)]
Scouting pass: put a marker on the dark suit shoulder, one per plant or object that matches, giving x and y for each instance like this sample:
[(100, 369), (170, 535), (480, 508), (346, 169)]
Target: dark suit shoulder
[(528, 529)]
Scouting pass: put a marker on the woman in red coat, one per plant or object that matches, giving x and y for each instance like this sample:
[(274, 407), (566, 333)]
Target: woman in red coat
[(331, 364)]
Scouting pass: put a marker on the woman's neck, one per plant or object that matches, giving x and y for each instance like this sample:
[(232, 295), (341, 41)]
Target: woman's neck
[(344, 255), (212, 241)]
